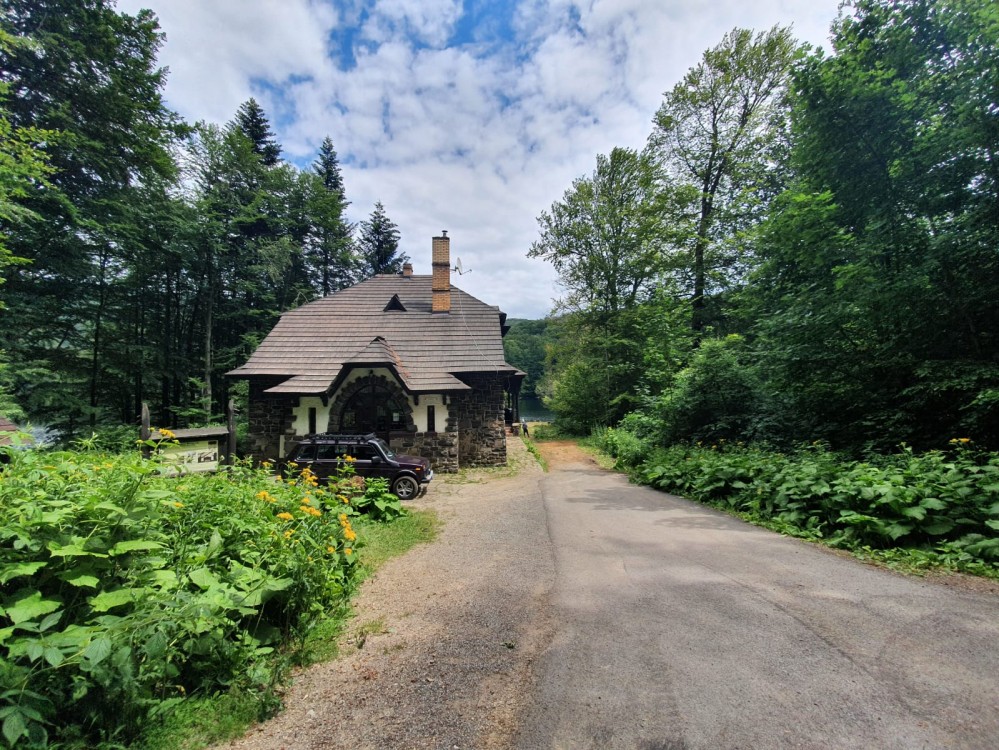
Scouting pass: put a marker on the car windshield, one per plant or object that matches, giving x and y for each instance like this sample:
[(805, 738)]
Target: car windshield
[(389, 453)]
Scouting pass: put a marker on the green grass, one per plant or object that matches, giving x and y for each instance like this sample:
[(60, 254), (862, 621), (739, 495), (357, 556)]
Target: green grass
[(532, 448), (200, 722), (383, 541)]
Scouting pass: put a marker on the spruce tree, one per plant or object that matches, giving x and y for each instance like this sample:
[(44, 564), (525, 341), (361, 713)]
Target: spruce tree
[(250, 118), (327, 166), (379, 244), (329, 251)]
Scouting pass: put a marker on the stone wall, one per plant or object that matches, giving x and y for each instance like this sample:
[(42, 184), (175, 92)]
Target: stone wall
[(477, 417), (270, 416), (440, 447)]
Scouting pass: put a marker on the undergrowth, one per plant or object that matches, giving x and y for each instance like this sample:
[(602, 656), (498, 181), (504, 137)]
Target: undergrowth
[(131, 596), (907, 509)]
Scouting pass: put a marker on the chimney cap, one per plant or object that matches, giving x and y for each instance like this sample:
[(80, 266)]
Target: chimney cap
[(443, 233)]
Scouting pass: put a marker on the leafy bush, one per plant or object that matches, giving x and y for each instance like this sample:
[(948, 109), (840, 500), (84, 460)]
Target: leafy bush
[(126, 590), (625, 446), (942, 502)]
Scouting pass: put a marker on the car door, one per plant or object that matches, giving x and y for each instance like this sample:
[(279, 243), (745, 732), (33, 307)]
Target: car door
[(326, 464), (371, 463)]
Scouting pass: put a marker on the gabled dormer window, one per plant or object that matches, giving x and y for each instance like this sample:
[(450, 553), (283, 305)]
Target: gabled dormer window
[(395, 304)]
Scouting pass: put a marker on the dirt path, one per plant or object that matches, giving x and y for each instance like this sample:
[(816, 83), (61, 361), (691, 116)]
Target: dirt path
[(445, 637)]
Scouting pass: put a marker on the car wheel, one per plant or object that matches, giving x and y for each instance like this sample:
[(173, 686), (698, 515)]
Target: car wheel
[(406, 488)]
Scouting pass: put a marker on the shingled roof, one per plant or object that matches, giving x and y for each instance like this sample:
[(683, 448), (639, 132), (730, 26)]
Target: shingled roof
[(385, 321)]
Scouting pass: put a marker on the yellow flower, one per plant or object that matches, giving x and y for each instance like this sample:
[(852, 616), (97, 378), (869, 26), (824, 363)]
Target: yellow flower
[(348, 551), (178, 505), (349, 535), (288, 533), (343, 518), (265, 495), (345, 499), (349, 459), (265, 464), (286, 516), (331, 550), (309, 510), (167, 434)]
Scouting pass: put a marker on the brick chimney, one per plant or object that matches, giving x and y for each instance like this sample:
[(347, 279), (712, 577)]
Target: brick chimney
[(407, 269), (442, 273)]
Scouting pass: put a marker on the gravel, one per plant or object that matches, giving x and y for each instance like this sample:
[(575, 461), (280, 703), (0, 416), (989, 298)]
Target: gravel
[(442, 649)]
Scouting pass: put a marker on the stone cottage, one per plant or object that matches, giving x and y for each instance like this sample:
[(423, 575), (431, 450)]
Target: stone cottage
[(408, 357)]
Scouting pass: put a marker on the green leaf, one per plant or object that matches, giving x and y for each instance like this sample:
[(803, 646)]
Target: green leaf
[(897, 530), (939, 527), (110, 599), (133, 546), (82, 581), (916, 511), (98, 650), (7, 572), (156, 646), (71, 550), (35, 650), (203, 578), (49, 621), (933, 503), (992, 524), (30, 605), (14, 727), (53, 656)]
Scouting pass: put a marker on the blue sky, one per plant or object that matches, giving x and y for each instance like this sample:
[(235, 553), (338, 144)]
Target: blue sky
[(466, 115)]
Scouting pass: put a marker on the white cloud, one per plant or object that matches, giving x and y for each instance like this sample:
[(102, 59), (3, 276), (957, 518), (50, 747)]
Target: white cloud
[(477, 139)]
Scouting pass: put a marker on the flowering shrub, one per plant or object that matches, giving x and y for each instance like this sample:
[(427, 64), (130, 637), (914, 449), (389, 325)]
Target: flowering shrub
[(125, 590)]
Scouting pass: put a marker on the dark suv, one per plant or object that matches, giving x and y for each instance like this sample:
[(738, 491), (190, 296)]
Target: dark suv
[(324, 454)]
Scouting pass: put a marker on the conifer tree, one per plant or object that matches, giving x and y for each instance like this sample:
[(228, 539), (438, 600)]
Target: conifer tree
[(379, 244), (250, 118), (329, 251)]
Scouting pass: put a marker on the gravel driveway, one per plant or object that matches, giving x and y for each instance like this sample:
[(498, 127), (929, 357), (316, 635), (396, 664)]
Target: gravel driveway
[(459, 624)]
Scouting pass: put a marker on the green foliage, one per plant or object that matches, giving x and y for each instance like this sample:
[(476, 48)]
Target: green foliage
[(599, 368), (875, 302), (720, 140), (532, 448), (378, 244), (126, 590), (716, 396), (944, 504), (378, 502), (524, 348), (605, 237)]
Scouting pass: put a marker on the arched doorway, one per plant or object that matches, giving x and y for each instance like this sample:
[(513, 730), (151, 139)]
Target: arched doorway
[(371, 404)]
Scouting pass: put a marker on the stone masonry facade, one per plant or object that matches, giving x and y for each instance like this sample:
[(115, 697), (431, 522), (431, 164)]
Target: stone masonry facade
[(270, 416), (440, 447), (475, 433), (477, 417)]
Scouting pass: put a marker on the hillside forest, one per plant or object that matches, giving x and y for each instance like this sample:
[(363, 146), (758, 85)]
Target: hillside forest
[(805, 251), (145, 256)]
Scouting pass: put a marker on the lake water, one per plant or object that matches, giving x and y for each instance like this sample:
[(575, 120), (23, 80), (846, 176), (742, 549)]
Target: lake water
[(531, 410)]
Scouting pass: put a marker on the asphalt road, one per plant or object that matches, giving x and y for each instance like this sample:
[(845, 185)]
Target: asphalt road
[(680, 627)]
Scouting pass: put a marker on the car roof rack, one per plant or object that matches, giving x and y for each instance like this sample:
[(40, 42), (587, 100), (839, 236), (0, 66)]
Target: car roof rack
[(341, 437)]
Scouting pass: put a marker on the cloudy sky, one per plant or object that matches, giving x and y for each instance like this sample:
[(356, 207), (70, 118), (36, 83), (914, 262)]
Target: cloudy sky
[(466, 115)]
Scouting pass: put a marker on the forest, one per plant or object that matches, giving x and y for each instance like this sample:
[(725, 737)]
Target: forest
[(805, 251), (144, 256)]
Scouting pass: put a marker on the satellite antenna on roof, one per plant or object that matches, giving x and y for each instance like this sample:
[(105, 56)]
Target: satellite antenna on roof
[(459, 269)]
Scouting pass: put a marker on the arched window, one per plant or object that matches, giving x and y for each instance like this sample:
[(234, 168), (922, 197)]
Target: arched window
[(374, 408)]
